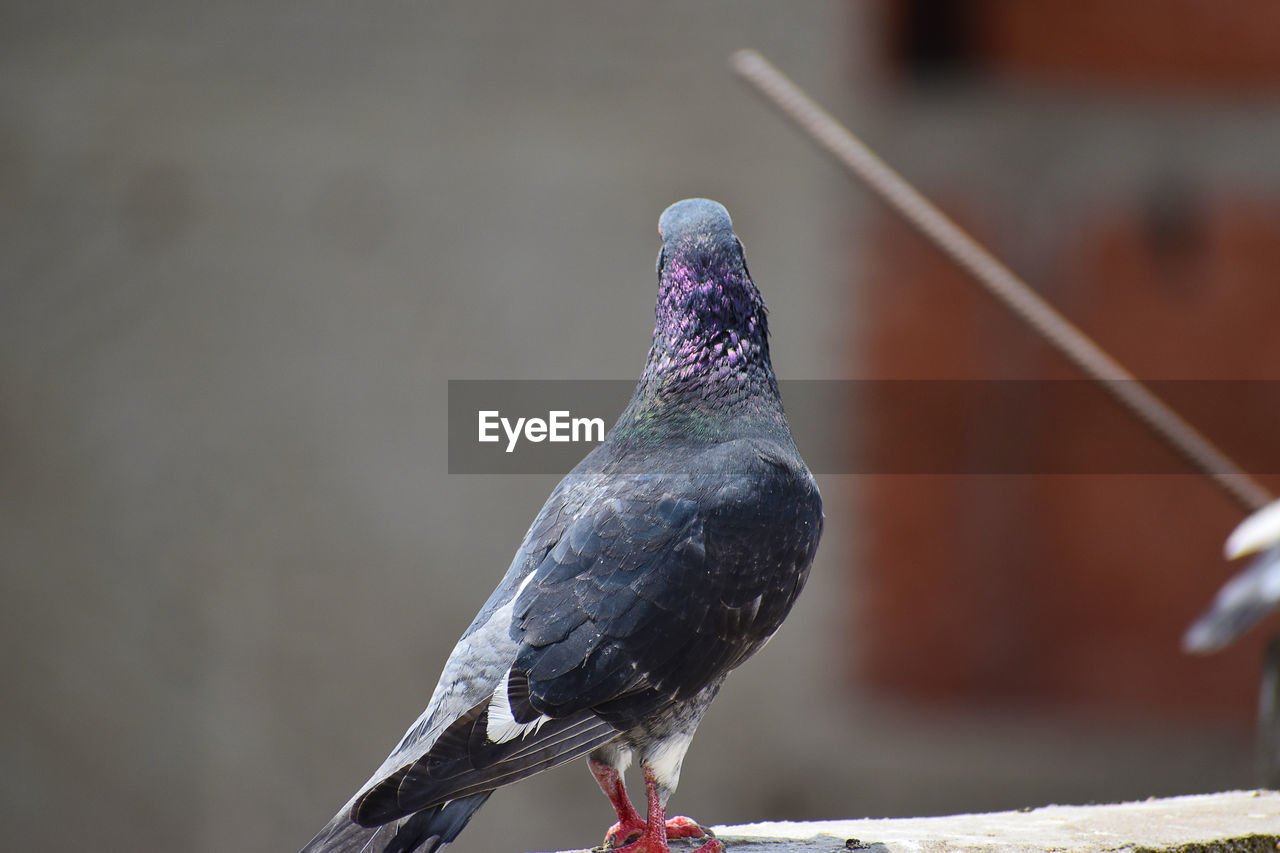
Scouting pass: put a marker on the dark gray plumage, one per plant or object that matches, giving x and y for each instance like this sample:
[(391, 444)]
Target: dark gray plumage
[(666, 558)]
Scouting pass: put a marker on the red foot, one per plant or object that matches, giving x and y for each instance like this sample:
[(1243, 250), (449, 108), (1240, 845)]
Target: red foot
[(620, 833), (648, 844), (677, 827), (633, 832), (683, 827)]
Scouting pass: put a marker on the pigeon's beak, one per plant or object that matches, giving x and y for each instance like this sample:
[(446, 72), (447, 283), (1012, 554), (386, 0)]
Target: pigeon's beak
[(1256, 533)]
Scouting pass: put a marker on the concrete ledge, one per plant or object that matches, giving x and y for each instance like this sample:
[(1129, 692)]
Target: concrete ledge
[(1233, 822)]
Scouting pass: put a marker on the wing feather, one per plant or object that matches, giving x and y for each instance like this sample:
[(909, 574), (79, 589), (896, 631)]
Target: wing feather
[(666, 583), (463, 763)]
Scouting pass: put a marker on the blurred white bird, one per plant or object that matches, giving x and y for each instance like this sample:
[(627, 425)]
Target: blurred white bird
[(1246, 598)]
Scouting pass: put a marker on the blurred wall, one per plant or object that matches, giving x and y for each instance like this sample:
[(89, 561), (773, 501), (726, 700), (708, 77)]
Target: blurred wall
[(243, 248), (1122, 158)]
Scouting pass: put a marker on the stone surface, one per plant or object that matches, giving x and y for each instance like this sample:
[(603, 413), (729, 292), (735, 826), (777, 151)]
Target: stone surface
[(1202, 823)]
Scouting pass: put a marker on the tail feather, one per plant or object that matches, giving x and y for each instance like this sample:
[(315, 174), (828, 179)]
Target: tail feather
[(422, 832), (454, 769)]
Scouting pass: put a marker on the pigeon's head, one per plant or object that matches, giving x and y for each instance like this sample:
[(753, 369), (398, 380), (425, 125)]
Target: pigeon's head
[(708, 307), (694, 217)]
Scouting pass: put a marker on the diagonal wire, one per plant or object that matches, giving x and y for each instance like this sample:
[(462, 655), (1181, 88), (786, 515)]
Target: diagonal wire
[(998, 279)]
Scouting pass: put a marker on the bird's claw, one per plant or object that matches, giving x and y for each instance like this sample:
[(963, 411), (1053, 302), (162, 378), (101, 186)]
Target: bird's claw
[(622, 833), (684, 827), (648, 845), (629, 837)]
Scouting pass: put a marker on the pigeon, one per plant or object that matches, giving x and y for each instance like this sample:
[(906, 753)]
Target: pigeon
[(668, 556), (1249, 596)]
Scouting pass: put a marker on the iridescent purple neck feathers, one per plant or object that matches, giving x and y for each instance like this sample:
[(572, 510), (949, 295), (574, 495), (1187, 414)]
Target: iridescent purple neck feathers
[(711, 327), (708, 378)]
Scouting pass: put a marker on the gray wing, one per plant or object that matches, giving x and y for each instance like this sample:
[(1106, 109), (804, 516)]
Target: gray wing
[(653, 587), (652, 595), (423, 832), (445, 757)]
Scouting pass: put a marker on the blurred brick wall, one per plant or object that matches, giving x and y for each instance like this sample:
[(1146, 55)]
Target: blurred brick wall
[(1073, 589), (1178, 45)]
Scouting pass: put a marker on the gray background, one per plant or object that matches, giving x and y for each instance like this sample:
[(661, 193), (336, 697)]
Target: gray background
[(243, 248)]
